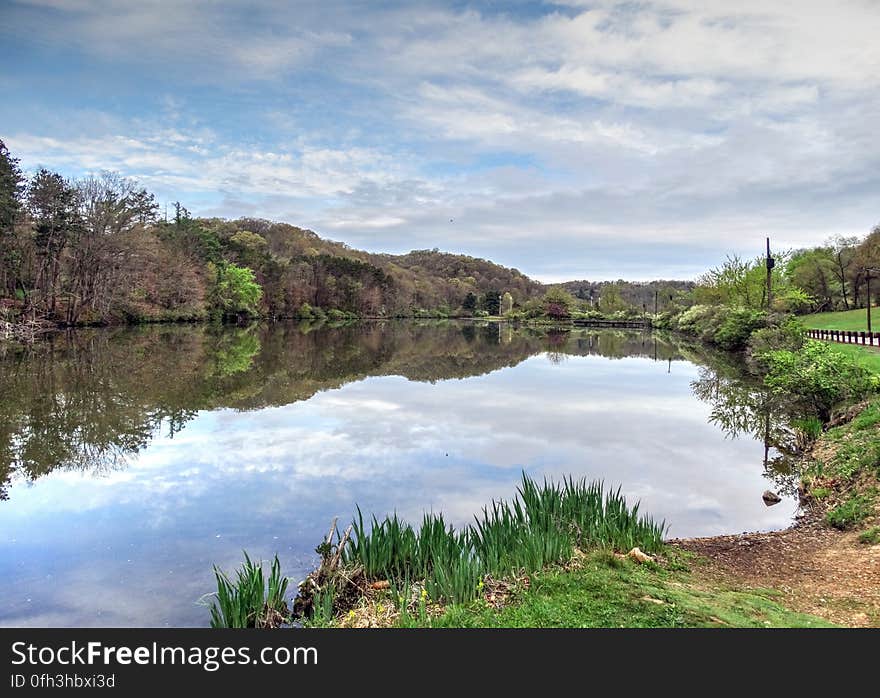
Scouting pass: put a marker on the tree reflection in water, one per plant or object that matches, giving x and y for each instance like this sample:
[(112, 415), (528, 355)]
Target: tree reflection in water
[(88, 400), (741, 405)]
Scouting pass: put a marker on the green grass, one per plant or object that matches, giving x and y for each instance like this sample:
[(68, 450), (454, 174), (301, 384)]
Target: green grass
[(866, 357), (855, 320), (541, 526), (604, 591), (852, 511), (871, 536), (854, 450)]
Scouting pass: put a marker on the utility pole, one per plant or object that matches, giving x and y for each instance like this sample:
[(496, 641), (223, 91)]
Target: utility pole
[(770, 264), (868, 304), (656, 292)]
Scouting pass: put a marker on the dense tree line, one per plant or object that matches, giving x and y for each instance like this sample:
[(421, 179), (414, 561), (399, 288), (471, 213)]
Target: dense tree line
[(95, 250), (828, 277), (613, 296)]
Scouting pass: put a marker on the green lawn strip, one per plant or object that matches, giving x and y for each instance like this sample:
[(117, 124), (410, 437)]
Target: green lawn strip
[(867, 357), (855, 320), (606, 592)]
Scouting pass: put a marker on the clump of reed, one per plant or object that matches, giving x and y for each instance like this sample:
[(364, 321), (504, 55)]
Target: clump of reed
[(542, 525), (250, 600)]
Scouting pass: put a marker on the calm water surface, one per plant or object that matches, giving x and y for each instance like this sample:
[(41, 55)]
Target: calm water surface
[(133, 460)]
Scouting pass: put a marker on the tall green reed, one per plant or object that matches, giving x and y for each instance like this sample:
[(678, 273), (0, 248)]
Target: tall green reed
[(542, 525), (250, 599)]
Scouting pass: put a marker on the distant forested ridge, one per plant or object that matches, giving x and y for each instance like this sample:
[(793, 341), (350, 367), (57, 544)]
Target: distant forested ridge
[(97, 251)]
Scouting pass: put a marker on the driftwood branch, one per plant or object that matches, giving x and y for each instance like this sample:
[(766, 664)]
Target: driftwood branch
[(332, 530), (330, 575), (337, 556)]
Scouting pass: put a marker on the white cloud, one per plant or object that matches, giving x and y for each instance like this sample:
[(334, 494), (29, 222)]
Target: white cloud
[(693, 124)]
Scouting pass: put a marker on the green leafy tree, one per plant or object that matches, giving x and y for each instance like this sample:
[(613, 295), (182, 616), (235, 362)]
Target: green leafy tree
[(846, 270), (740, 283), (249, 248), (812, 272), (236, 291), (611, 299), (867, 261)]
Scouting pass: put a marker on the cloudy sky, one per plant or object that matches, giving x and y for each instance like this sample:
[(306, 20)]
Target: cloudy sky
[(569, 139)]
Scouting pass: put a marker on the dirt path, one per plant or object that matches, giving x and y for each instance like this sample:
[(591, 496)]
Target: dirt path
[(819, 570)]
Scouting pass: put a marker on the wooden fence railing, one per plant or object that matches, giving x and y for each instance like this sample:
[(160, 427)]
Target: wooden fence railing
[(634, 324), (870, 339)]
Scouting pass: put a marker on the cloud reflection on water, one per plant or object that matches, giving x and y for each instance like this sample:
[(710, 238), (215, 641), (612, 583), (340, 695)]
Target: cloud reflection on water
[(137, 544)]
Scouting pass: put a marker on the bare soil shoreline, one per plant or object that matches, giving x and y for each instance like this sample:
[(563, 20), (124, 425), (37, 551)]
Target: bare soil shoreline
[(817, 569)]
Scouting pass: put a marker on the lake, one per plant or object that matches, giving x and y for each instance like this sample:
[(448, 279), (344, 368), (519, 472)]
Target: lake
[(134, 459)]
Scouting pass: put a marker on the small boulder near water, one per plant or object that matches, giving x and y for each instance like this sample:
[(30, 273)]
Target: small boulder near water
[(770, 498)]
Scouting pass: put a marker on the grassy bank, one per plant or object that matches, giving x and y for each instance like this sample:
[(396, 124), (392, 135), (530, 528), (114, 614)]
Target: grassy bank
[(842, 475), (559, 554), (842, 472), (595, 589)]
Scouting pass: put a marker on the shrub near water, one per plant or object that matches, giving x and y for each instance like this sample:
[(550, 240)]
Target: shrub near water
[(725, 327), (541, 526), (818, 375)]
